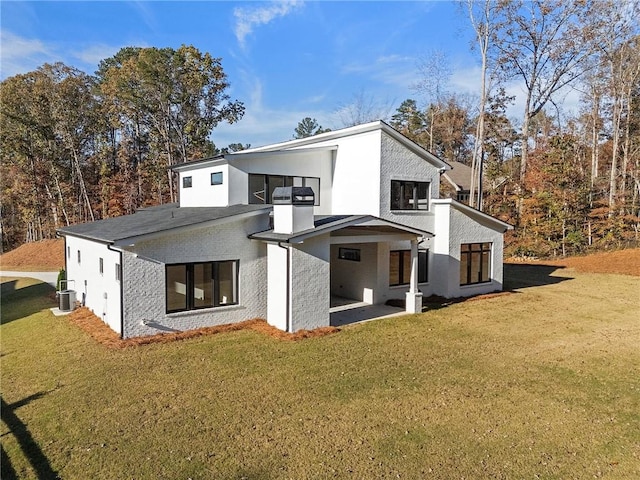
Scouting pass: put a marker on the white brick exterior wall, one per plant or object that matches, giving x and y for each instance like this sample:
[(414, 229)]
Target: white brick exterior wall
[(310, 275), (455, 228), (144, 277)]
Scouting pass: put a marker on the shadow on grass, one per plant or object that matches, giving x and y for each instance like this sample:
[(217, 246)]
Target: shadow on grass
[(30, 448), (517, 276), (22, 302)]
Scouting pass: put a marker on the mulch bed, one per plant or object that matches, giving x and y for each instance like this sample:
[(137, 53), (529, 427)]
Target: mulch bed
[(46, 254), (99, 331)]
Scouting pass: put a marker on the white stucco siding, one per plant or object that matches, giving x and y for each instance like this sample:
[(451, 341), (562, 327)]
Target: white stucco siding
[(356, 174), (202, 193), (278, 272), (400, 163), (145, 267), (310, 274), (456, 228), (101, 291)]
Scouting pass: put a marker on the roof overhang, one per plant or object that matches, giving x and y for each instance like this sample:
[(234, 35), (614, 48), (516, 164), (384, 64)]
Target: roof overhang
[(356, 130), (348, 229), (477, 215)]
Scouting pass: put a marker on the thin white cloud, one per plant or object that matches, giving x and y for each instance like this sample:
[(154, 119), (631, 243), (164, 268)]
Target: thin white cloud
[(21, 55), (247, 19), (395, 70), (94, 54)]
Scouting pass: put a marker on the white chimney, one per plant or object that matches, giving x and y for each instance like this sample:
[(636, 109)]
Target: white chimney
[(292, 209)]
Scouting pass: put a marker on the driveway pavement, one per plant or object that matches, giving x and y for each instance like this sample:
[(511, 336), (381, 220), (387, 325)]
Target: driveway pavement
[(49, 277)]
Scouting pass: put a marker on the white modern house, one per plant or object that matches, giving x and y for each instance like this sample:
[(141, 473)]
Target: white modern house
[(279, 231)]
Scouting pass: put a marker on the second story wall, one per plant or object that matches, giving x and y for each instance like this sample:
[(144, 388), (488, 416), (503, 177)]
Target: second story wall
[(401, 173), (205, 186)]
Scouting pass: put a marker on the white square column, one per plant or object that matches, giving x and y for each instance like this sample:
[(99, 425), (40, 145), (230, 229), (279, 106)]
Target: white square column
[(414, 296)]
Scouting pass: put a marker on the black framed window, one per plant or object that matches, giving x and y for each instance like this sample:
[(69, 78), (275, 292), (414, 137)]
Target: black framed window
[(352, 254), (216, 178), (118, 272), (79, 257), (187, 182), (101, 266), (409, 195), (69, 252), (191, 286), (261, 187), (475, 263), (400, 267)]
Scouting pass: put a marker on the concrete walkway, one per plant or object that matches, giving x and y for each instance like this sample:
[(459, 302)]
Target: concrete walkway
[(48, 277), (346, 311)]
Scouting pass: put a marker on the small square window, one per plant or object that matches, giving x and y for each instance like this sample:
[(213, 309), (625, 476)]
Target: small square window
[(187, 182), (216, 178), (101, 266), (352, 254)]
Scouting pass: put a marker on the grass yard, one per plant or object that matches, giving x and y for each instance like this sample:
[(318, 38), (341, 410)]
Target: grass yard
[(541, 383)]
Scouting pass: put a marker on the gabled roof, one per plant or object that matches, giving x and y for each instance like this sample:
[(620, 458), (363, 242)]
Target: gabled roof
[(346, 132), (328, 224), (477, 215), (156, 220)]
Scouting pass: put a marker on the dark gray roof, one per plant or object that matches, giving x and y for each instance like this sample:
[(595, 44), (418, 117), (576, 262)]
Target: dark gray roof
[(154, 220)]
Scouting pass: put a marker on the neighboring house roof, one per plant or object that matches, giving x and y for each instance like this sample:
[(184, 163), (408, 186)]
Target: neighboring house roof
[(155, 220), (328, 224), (477, 215), (459, 176)]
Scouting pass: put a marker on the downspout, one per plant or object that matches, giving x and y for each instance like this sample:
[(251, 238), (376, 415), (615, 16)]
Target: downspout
[(66, 269), (287, 311), (119, 252)]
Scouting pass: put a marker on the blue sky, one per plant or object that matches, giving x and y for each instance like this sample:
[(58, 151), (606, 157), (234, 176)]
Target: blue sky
[(285, 59)]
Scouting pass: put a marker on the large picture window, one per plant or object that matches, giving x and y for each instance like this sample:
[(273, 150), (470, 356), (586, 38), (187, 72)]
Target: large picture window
[(475, 263), (191, 286), (400, 267), (261, 187), (409, 195)]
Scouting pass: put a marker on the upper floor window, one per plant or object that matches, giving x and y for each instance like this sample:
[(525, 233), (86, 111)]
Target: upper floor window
[(261, 187), (79, 257), (101, 265), (216, 178), (187, 182), (475, 263), (407, 195)]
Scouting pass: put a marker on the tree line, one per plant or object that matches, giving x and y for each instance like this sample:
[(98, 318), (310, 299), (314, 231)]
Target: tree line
[(78, 147)]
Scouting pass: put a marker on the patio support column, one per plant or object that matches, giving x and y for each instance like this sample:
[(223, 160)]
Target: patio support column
[(414, 296)]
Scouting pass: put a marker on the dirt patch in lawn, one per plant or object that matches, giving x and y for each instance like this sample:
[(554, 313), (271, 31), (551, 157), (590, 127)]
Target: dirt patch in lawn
[(99, 331), (47, 255), (623, 262)]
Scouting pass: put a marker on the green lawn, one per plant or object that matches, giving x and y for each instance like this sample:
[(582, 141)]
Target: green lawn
[(542, 383)]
